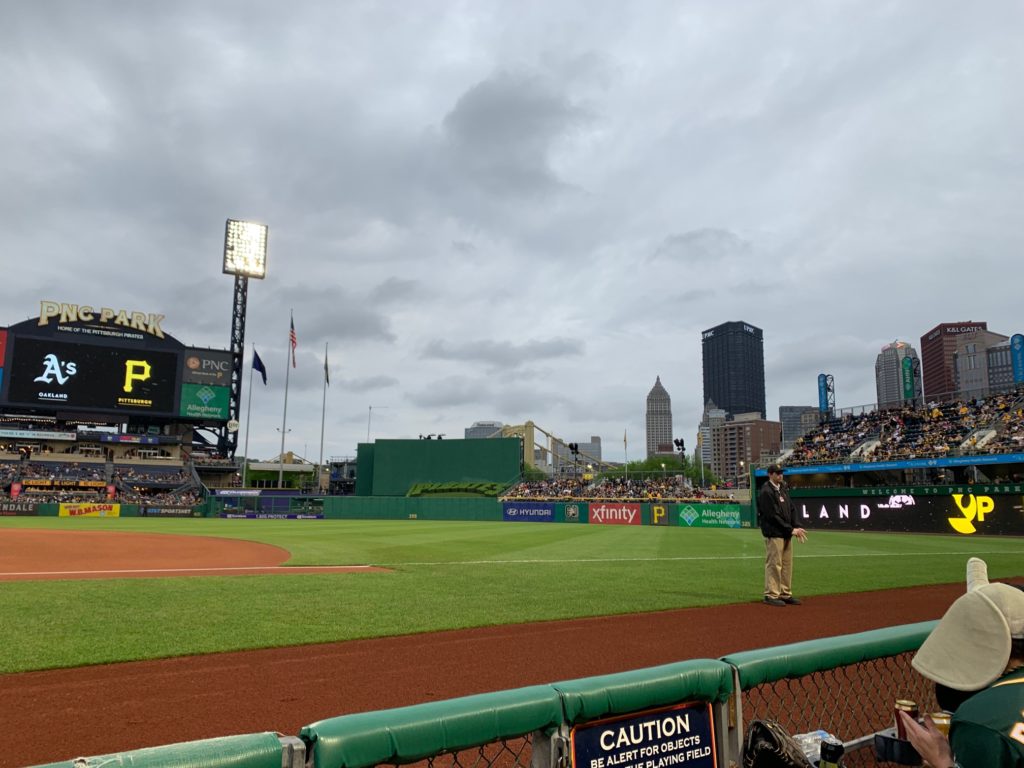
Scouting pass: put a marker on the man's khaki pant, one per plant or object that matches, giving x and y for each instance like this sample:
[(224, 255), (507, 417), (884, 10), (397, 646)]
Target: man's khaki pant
[(778, 568)]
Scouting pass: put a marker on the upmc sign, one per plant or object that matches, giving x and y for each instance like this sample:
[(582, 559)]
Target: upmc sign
[(960, 513), (615, 514)]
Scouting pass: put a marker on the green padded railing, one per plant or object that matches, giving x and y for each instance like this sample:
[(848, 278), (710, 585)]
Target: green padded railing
[(412, 733), (255, 750), (591, 698), (765, 665)]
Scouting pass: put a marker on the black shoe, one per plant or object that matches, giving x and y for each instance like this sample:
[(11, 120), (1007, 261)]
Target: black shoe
[(790, 600), (775, 601)]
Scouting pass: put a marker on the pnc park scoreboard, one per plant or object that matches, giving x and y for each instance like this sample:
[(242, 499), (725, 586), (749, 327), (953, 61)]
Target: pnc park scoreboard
[(103, 362)]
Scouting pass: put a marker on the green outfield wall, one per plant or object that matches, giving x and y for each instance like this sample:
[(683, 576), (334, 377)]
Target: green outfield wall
[(392, 467)]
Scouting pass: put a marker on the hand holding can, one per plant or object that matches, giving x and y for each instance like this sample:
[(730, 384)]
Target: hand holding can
[(910, 707)]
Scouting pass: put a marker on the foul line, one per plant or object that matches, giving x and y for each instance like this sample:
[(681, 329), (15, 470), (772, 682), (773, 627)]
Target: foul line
[(689, 558), (260, 568), (297, 569)]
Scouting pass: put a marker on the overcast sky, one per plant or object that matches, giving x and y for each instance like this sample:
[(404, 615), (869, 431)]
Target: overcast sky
[(518, 210)]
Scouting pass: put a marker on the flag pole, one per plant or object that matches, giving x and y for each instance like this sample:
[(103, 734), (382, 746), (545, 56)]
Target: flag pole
[(323, 416), (289, 352), (248, 416), (625, 453)]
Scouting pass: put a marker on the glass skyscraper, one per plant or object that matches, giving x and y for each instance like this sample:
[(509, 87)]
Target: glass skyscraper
[(733, 355)]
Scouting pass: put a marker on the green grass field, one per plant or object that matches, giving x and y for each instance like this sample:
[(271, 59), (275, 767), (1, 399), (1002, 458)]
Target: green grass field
[(445, 575)]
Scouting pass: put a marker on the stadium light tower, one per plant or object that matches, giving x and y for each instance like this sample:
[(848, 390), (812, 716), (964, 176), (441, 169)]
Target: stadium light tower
[(245, 256)]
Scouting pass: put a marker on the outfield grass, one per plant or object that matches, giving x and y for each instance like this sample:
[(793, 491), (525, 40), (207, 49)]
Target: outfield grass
[(445, 575)]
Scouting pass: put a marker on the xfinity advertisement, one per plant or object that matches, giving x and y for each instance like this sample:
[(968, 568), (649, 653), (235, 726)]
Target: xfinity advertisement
[(966, 514)]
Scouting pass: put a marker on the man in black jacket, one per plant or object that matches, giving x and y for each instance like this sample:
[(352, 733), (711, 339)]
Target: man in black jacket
[(779, 525)]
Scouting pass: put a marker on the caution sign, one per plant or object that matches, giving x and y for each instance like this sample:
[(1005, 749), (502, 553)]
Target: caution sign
[(678, 737)]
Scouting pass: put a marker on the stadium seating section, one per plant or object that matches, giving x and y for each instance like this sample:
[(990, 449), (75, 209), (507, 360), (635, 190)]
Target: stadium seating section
[(993, 425)]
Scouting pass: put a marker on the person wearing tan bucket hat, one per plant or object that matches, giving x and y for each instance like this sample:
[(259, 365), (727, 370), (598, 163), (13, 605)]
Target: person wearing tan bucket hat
[(975, 657)]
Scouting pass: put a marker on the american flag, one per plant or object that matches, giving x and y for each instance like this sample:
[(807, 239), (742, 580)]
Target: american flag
[(293, 340)]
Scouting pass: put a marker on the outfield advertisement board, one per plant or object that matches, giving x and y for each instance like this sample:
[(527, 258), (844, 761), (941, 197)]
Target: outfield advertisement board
[(89, 510), (678, 737), (614, 513), (17, 509), (165, 511), (965, 514), (527, 511), (267, 516), (709, 516)]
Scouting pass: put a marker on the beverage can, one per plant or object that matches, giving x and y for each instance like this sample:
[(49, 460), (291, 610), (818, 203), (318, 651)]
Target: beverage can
[(910, 707), (832, 750)]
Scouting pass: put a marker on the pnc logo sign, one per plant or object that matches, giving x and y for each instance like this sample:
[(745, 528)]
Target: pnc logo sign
[(135, 370), (973, 509)]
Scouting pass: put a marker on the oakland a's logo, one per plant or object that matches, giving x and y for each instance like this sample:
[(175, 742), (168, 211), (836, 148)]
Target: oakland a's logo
[(54, 369)]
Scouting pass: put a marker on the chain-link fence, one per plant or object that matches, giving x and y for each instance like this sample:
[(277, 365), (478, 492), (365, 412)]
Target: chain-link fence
[(852, 702), (508, 753)]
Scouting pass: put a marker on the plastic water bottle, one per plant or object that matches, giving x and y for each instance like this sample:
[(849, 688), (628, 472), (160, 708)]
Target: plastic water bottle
[(810, 743)]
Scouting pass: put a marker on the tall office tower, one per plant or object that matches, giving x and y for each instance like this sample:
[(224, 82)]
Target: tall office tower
[(659, 421), (713, 417), (938, 347), (744, 443), (897, 376), (733, 355), (971, 362), (1000, 366), (796, 420), (482, 429)]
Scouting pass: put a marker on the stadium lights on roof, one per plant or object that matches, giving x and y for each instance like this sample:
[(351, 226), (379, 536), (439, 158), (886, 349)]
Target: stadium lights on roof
[(245, 249)]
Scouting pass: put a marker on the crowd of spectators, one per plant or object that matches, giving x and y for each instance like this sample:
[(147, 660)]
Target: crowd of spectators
[(56, 482), (149, 475), (185, 498), (213, 460), (956, 428), (59, 470), (616, 488)]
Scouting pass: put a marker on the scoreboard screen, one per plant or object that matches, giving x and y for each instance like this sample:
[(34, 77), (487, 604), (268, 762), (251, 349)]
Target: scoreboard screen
[(82, 376)]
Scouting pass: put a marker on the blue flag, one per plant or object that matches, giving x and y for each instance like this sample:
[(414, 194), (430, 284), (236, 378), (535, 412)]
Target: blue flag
[(257, 365)]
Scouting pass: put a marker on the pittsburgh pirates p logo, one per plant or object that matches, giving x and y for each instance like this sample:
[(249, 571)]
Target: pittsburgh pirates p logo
[(135, 370)]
